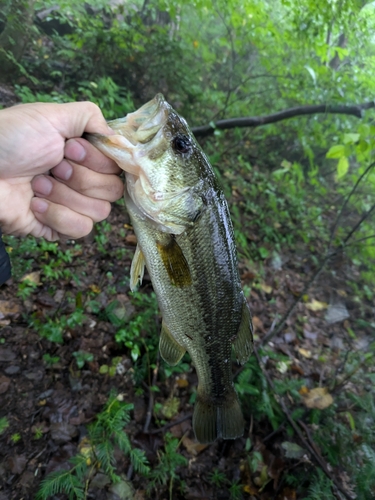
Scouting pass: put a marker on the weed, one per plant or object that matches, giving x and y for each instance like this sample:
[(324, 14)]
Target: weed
[(83, 357), (235, 491), (112, 368), (217, 478), (53, 328), (50, 360), (4, 424), (15, 437), (169, 461), (97, 454), (38, 432)]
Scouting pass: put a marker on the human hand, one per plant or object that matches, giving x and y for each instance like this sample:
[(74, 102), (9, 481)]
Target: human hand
[(53, 183)]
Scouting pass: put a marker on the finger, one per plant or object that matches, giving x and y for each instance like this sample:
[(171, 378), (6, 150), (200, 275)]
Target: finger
[(73, 118), (84, 153), (60, 220), (93, 184), (60, 194)]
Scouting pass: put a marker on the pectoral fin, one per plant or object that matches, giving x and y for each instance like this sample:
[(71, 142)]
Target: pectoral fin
[(170, 350), (243, 345), (137, 269), (175, 263)]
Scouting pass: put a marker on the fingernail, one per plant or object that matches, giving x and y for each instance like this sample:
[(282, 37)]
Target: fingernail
[(39, 205), (74, 150), (42, 185), (63, 170)]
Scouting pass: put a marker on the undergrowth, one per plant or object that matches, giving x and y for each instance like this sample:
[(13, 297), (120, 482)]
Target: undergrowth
[(97, 454)]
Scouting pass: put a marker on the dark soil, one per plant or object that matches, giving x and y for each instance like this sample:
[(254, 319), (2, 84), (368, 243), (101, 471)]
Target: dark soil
[(49, 406)]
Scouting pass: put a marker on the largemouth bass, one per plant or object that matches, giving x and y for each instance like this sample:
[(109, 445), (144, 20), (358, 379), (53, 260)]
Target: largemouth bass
[(185, 238)]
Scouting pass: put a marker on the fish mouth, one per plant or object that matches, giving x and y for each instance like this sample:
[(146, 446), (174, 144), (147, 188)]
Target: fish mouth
[(144, 124)]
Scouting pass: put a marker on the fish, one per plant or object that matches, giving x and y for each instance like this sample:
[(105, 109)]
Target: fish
[(185, 239)]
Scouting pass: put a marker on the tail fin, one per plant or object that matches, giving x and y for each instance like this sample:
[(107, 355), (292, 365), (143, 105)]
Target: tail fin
[(212, 420)]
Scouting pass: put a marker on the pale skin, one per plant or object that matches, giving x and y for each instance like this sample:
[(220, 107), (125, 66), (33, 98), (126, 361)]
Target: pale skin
[(53, 183)]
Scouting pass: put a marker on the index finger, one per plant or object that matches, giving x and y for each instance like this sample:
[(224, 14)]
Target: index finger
[(82, 152)]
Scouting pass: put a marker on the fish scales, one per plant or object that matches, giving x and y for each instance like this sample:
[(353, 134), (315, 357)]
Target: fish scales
[(187, 245)]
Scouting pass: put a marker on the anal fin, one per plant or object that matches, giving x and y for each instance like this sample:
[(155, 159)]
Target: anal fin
[(137, 269), (170, 349), (243, 345)]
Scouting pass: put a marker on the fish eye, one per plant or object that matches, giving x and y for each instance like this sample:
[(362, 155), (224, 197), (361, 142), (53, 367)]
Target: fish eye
[(181, 144)]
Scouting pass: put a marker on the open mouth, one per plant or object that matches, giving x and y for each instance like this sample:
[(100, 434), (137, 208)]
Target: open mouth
[(143, 125)]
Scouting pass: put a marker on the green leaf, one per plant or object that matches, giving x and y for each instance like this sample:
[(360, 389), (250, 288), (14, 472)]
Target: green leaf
[(351, 138), (342, 167), (336, 151)]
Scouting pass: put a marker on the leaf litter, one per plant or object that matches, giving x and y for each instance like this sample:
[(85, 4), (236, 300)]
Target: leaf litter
[(50, 404)]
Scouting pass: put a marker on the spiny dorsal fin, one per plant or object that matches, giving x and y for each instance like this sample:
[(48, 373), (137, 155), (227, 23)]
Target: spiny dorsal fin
[(170, 350), (243, 345), (137, 269), (175, 263)]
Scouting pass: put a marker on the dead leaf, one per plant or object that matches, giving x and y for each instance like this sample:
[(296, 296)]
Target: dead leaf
[(303, 391), (193, 447), (266, 288), (94, 288), (318, 398), (293, 450), (33, 277), (182, 382), (4, 384), (304, 352), (258, 324), (7, 354), (9, 308), (287, 494), (17, 463), (131, 239), (336, 313), (316, 305)]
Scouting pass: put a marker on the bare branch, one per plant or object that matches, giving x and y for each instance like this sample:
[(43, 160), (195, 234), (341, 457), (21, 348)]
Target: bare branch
[(256, 121)]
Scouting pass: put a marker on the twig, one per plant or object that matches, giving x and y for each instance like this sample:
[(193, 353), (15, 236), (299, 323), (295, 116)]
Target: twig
[(171, 424), (151, 396), (311, 448), (256, 121), (347, 201)]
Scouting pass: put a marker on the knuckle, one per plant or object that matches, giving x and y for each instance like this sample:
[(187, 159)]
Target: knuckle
[(103, 210)]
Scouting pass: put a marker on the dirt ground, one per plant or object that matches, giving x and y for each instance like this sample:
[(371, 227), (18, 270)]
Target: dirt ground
[(48, 406)]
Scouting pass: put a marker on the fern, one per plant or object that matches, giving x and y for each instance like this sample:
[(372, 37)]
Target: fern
[(104, 435), (61, 482), (321, 487)]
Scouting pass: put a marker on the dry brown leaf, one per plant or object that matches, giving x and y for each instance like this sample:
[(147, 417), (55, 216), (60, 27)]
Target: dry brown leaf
[(131, 239), (33, 277), (4, 384), (316, 305), (193, 447), (318, 398), (304, 352), (303, 391), (182, 382), (257, 323), (266, 288), (9, 308)]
